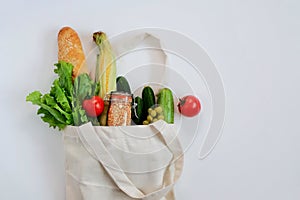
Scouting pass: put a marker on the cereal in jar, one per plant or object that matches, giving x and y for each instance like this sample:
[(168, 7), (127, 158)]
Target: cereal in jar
[(119, 112)]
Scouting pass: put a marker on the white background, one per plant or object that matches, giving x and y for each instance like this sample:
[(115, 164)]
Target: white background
[(255, 45)]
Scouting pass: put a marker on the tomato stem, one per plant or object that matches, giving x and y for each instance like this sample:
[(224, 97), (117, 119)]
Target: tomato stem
[(181, 102)]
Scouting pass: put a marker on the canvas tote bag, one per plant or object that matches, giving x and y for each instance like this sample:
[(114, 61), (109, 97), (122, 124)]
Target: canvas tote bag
[(122, 162)]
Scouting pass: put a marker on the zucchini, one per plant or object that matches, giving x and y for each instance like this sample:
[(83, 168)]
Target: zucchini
[(137, 111), (165, 100), (123, 85), (148, 100)]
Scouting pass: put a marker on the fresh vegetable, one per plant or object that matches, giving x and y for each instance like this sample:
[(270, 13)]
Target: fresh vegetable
[(189, 106), (123, 85), (84, 88), (106, 65), (103, 117), (93, 106), (148, 100), (62, 106), (137, 111), (165, 100), (56, 106)]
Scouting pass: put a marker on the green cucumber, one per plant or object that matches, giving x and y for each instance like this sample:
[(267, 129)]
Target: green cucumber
[(123, 85), (137, 111), (148, 100), (165, 100)]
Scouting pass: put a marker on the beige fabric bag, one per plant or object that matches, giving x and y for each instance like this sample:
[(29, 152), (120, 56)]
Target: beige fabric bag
[(126, 162)]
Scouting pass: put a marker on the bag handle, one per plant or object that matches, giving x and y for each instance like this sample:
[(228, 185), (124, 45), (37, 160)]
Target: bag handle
[(90, 140)]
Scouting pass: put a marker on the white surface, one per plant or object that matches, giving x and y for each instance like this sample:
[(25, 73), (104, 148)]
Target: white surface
[(255, 45)]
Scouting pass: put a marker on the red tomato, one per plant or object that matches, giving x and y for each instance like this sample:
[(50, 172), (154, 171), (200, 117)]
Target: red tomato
[(94, 106), (189, 106)]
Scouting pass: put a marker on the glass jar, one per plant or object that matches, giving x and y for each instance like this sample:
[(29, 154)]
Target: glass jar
[(119, 112)]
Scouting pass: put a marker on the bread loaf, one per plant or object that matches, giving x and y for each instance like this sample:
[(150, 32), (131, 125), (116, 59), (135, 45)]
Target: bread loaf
[(70, 50)]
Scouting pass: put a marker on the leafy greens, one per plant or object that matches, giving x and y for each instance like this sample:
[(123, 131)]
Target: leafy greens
[(62, 106)]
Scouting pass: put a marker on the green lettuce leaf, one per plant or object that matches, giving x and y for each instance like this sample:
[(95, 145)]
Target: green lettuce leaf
[(48, 118), (60, 96), (46, 102), (56, 106), (64, 72)]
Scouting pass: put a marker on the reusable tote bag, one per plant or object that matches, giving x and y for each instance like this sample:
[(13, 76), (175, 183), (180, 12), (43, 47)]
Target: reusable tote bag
[(122, 162)]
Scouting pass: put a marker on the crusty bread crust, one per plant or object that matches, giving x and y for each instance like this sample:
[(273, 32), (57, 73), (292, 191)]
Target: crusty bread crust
[(70, 49)]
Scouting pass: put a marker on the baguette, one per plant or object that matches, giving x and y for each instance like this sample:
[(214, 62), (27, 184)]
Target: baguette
[(70, 50)]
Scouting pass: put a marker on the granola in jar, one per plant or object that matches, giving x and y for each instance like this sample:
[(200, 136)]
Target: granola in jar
[(119, 112)]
